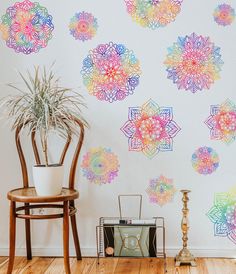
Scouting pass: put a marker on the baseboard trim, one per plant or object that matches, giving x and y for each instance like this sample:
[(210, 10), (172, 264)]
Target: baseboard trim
[(91, 252)]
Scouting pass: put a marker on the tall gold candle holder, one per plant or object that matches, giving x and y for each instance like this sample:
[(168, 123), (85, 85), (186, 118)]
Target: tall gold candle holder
[(184, 256)]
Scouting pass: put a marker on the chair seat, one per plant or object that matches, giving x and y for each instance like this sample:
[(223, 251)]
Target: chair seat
[(29, 195)]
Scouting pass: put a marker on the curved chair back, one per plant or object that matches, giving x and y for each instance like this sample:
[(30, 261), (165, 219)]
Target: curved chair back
[(73, 165)]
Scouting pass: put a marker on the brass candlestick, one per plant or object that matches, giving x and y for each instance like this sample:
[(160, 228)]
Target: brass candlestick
[(184, 256)]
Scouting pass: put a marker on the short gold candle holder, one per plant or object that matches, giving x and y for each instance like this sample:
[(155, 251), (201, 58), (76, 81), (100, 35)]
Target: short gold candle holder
[(184, 256)]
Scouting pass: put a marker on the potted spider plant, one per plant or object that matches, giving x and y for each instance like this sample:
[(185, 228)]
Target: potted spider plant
[(43, 106)]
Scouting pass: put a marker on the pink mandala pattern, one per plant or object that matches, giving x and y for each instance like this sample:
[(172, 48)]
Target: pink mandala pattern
[(26, 27), (83, 26), (153, 13), (222, 122), (205, 160), (224, 15), (223, 215), (100, 166), (111, 72), (150, 129), (161, 190), (193, 63)]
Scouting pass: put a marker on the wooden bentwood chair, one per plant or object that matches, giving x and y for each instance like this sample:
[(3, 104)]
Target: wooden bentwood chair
[(27, 195)]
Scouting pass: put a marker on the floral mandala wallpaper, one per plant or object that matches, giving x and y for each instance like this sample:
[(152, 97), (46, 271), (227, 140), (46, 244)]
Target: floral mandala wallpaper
[(26, 27), (83, 26), (153, 13), (158, 79), (223, 214), (150, 129), (100, 165), (161, 190), (111, 72), (193, 63), (222, 122), (205, 160), (224, 15)]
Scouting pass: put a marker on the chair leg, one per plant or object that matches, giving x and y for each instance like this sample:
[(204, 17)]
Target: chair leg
[(28, 236), (66, 237), (12, 242), (75, 235)]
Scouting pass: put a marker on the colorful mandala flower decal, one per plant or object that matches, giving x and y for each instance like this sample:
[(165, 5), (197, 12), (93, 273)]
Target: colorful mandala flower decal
[(26, 27), (83, 26), (193, 63), (205, 160), (150, 129), (100, 166), (224, 15), (222, 122), (223, 214), (111, 72), (161, 190), (153, 13)]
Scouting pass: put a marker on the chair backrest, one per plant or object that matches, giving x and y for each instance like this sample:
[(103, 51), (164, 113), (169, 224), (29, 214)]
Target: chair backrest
[(73, 165)]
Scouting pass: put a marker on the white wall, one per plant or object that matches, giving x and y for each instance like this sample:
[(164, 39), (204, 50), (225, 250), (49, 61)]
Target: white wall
[(190, 112)]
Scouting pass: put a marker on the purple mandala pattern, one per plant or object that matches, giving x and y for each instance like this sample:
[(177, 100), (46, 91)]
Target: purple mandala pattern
[(111, 72), (223, 215), (26, 27), (193, 63), (150, 129)]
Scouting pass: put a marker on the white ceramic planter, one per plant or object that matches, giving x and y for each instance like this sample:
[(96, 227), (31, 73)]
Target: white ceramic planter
[(48, 180)]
